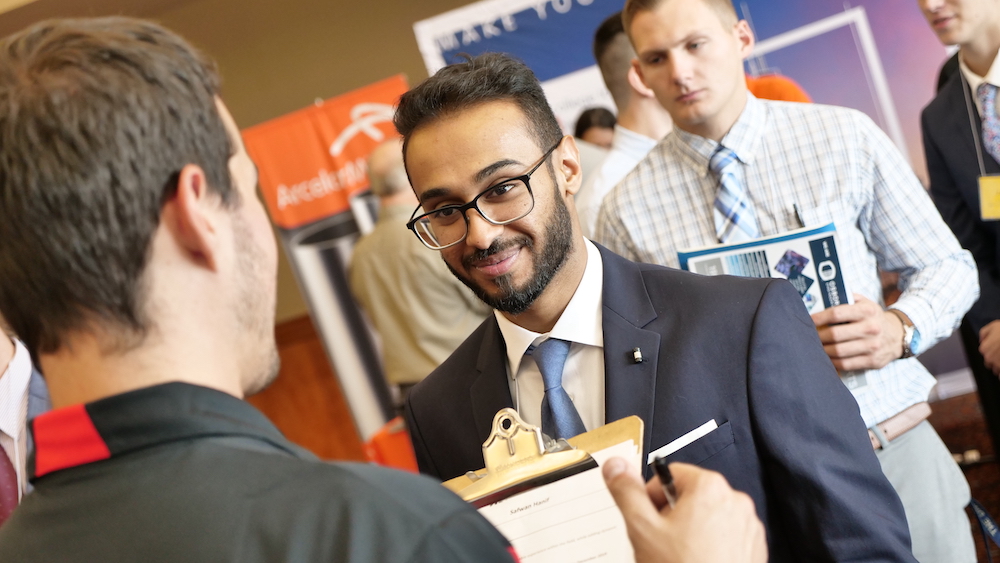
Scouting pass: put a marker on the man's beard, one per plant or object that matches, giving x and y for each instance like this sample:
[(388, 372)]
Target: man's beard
[(252, 314), (558, 240)]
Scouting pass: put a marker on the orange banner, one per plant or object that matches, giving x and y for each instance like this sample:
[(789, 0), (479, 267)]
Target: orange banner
[(311, 161)]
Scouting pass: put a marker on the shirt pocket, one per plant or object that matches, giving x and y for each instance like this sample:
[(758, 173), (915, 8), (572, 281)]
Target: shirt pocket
[(828, 212), (705, 447)]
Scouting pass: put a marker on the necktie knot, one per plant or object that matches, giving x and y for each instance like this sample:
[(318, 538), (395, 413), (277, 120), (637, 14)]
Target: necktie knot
[(551, 357), (721, 159)]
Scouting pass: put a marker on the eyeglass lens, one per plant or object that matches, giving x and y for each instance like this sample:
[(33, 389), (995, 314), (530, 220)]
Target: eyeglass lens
[(500, 204)]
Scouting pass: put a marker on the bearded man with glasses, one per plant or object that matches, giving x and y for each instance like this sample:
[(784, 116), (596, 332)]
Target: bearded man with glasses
[(581, 337)]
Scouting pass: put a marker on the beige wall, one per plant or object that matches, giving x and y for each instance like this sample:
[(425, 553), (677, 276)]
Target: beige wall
[(278, 56)]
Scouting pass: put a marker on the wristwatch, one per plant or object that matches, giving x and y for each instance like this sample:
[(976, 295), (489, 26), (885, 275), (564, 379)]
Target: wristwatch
[(911, 336)]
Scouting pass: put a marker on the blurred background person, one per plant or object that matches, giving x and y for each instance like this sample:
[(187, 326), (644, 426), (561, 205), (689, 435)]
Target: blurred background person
[(421, 311), (23, 396), (596, 126), (961, 132), (642, 121)]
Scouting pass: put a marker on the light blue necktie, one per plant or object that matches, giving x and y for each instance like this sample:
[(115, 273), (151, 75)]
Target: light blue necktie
[(987, 94), (560, 418), (734, 219)]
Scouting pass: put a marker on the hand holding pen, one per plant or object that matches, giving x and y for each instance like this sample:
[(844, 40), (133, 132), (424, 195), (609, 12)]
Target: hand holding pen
[(709, 522)]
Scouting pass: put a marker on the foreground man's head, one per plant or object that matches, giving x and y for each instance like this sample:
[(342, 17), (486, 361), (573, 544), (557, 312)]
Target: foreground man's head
[(132, 202)]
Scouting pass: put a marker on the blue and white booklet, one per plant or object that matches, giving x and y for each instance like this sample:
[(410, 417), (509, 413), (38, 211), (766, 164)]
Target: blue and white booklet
[(807, 258)]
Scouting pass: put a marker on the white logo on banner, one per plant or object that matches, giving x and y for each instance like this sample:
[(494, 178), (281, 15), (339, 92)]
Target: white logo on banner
[(363, 117)]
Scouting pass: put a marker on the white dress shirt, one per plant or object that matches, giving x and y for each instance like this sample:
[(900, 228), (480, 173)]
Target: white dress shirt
[(628, 148), (14, 411), (583, 374), (806, 165)]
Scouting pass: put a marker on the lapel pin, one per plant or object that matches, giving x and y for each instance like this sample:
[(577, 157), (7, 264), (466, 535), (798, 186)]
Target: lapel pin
[(637, 355)]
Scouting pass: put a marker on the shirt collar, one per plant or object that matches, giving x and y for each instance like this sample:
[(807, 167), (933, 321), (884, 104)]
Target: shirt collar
[(635, 145), (974, 80), (85, 433), (14, 383), (580, 322), (743, 138)]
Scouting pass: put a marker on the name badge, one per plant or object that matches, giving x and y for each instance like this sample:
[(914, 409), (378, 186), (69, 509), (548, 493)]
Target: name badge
[(989, 198)]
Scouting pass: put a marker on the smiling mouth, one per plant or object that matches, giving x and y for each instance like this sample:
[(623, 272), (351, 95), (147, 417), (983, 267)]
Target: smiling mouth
[(495, 262), (941, 22)]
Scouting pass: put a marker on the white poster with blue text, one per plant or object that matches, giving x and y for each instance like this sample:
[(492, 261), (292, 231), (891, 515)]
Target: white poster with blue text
[(878, 56)]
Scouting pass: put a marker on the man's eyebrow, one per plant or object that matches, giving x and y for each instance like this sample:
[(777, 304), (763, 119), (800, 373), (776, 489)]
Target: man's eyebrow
[(480, 176), (433, 193), (489, 170)]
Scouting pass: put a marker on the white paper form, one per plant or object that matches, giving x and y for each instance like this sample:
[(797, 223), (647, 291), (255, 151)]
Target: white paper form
[(573, 520)]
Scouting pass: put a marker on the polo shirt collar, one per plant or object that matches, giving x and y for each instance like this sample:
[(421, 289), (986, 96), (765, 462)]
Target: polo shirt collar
[(86, 433)]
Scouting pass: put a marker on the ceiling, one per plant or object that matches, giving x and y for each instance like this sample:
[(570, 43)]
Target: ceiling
[(18, 14)]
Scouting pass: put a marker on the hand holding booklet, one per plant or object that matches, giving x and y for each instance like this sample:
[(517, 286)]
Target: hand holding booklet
[(807, 258), (549, 499)]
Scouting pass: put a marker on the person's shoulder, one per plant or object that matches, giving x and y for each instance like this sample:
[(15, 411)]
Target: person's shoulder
[(806, 115), (364, 505), (462, 362), (946, 98), (652, 170), (670, 286)]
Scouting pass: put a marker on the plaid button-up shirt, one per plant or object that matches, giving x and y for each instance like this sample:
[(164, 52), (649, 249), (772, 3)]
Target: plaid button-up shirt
[(807, 165)]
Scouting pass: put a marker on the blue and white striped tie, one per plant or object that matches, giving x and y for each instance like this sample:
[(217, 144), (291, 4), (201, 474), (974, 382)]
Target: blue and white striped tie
[(734, 218)]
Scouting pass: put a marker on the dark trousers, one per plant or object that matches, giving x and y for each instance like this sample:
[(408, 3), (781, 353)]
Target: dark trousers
[(987, 382)]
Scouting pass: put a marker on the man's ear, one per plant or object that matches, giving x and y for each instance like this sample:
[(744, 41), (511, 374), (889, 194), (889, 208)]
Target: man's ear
[(192, 217), (568, 168), (745, 38), (636, 82)]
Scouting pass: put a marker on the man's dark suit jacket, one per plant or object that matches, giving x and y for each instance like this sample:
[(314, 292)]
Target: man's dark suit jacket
[(743, 352), (953, 167), (950, 147)]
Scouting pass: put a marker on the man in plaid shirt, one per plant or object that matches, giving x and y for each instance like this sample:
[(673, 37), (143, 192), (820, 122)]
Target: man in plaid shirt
[(801, 165)]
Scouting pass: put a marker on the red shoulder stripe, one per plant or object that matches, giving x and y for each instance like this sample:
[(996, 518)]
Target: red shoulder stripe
[(66, 438)]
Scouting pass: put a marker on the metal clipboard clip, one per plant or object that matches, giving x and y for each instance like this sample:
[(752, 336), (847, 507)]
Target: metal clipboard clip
[(518, 459)]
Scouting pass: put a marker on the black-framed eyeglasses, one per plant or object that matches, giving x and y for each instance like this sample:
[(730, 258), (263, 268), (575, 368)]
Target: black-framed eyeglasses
[(503, 202)]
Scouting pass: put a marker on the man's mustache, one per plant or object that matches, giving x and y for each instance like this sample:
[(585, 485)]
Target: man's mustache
[(499, 245)]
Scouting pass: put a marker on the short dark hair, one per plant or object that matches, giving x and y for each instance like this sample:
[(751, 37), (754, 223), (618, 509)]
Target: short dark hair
[(614, 53), (609, 29), (593, 117), (97, 119), (486, 78)]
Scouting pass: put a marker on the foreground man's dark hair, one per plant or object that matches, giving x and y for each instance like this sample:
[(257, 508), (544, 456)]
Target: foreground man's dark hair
[(97, 118)]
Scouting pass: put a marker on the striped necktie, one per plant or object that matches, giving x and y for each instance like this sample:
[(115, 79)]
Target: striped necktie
[(734, 219), (560, 418), (987, 94)]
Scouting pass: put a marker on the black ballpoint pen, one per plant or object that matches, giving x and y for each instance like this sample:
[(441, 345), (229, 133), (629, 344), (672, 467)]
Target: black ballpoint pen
[(666, 480)]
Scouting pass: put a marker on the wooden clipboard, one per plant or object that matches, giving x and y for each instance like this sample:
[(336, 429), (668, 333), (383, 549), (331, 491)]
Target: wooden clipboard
[(518, 457)]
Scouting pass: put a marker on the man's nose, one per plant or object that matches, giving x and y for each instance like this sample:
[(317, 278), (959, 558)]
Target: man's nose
[(481, 233)]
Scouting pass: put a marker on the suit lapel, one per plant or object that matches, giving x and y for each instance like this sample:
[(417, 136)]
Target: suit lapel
[(963, 127), (490, 391), (629, 386)]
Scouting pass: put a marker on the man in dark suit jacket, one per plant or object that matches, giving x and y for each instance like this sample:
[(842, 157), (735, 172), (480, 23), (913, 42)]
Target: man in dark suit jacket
[(676, 349), (956, 156)]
